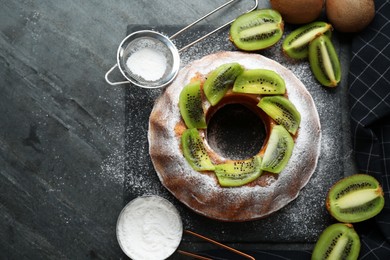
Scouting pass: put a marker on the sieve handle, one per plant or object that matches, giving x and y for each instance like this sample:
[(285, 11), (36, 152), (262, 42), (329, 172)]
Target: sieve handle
[(114, 83), (204, 17)]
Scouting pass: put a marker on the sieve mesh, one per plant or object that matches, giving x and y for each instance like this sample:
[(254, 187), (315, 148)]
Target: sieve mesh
[(153, 41)]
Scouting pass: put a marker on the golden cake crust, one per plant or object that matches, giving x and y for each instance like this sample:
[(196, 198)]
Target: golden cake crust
[(201, 191)]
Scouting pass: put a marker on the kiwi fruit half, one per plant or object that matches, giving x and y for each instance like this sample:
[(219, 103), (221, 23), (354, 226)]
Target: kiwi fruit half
[(324, 61), (219, 81), (257, 30), (279, 149), (295, 45), (282, 111), (190, 105), (355, 198), (238, 173), (338, 241), (259, 81), (194, 151)]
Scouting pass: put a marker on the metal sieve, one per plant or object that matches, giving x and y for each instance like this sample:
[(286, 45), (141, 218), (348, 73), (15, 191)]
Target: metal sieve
[(162, 44), (146, 39)]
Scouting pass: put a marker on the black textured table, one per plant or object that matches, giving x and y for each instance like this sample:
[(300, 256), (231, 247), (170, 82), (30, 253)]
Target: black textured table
[(73, 149)]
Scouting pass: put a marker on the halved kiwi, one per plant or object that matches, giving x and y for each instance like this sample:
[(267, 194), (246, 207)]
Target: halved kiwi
[(338, 241), (194, 151), (279, 149), (190, 104), (355, 198), (257, 30), (295, 45), (219, 81), (282, 111), (324, 61), (238, 173), (259, 81)]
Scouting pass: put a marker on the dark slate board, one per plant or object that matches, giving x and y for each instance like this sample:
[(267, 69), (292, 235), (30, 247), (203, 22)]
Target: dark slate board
[(299, 223)]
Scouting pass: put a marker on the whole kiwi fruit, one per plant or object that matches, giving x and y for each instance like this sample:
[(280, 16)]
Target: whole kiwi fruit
[(350, 15), (298, 11)]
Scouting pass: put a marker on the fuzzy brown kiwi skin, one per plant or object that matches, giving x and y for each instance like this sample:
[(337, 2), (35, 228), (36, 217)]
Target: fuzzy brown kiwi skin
[(327, 202), (357, 15), (298, 11)]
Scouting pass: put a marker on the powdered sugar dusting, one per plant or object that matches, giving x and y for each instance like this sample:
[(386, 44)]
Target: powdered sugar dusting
[(164, 142)]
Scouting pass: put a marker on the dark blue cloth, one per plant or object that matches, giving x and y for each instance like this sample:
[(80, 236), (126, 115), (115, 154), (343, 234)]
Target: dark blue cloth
[(369, 92)]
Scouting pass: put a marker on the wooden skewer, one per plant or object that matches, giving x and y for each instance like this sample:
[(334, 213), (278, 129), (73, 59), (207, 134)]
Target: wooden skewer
[(215, 243), (193, 255)]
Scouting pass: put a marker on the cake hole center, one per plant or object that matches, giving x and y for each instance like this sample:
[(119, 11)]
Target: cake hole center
[(236, 132)]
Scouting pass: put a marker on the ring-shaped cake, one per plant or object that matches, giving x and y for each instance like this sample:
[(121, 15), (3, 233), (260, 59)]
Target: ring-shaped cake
[(201, 191)]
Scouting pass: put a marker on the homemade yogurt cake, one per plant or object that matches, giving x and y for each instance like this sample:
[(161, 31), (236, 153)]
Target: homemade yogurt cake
[(231, 198)]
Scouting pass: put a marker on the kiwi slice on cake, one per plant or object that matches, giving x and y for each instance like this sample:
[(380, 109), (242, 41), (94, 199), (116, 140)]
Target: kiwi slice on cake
[(194, 151), (190, 104), (219, 81), (238, 173), (282, 111), (324, 61), (338, 241), (296, 44), (257, 30), (355, 198), (279, 149), (259, 81)]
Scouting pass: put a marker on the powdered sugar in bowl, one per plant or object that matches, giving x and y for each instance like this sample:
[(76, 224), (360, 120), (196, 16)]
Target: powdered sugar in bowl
[(146, 59), (149, 227)]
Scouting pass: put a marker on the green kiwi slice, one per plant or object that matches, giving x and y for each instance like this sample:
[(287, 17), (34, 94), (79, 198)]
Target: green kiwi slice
[(324, 61), (257, 30), (282, 111), (194, 151), (355, 198), (259, 81), (190, 105), (279, 149), (238, 173), (295, 45), (219, 81), (338, 241)]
